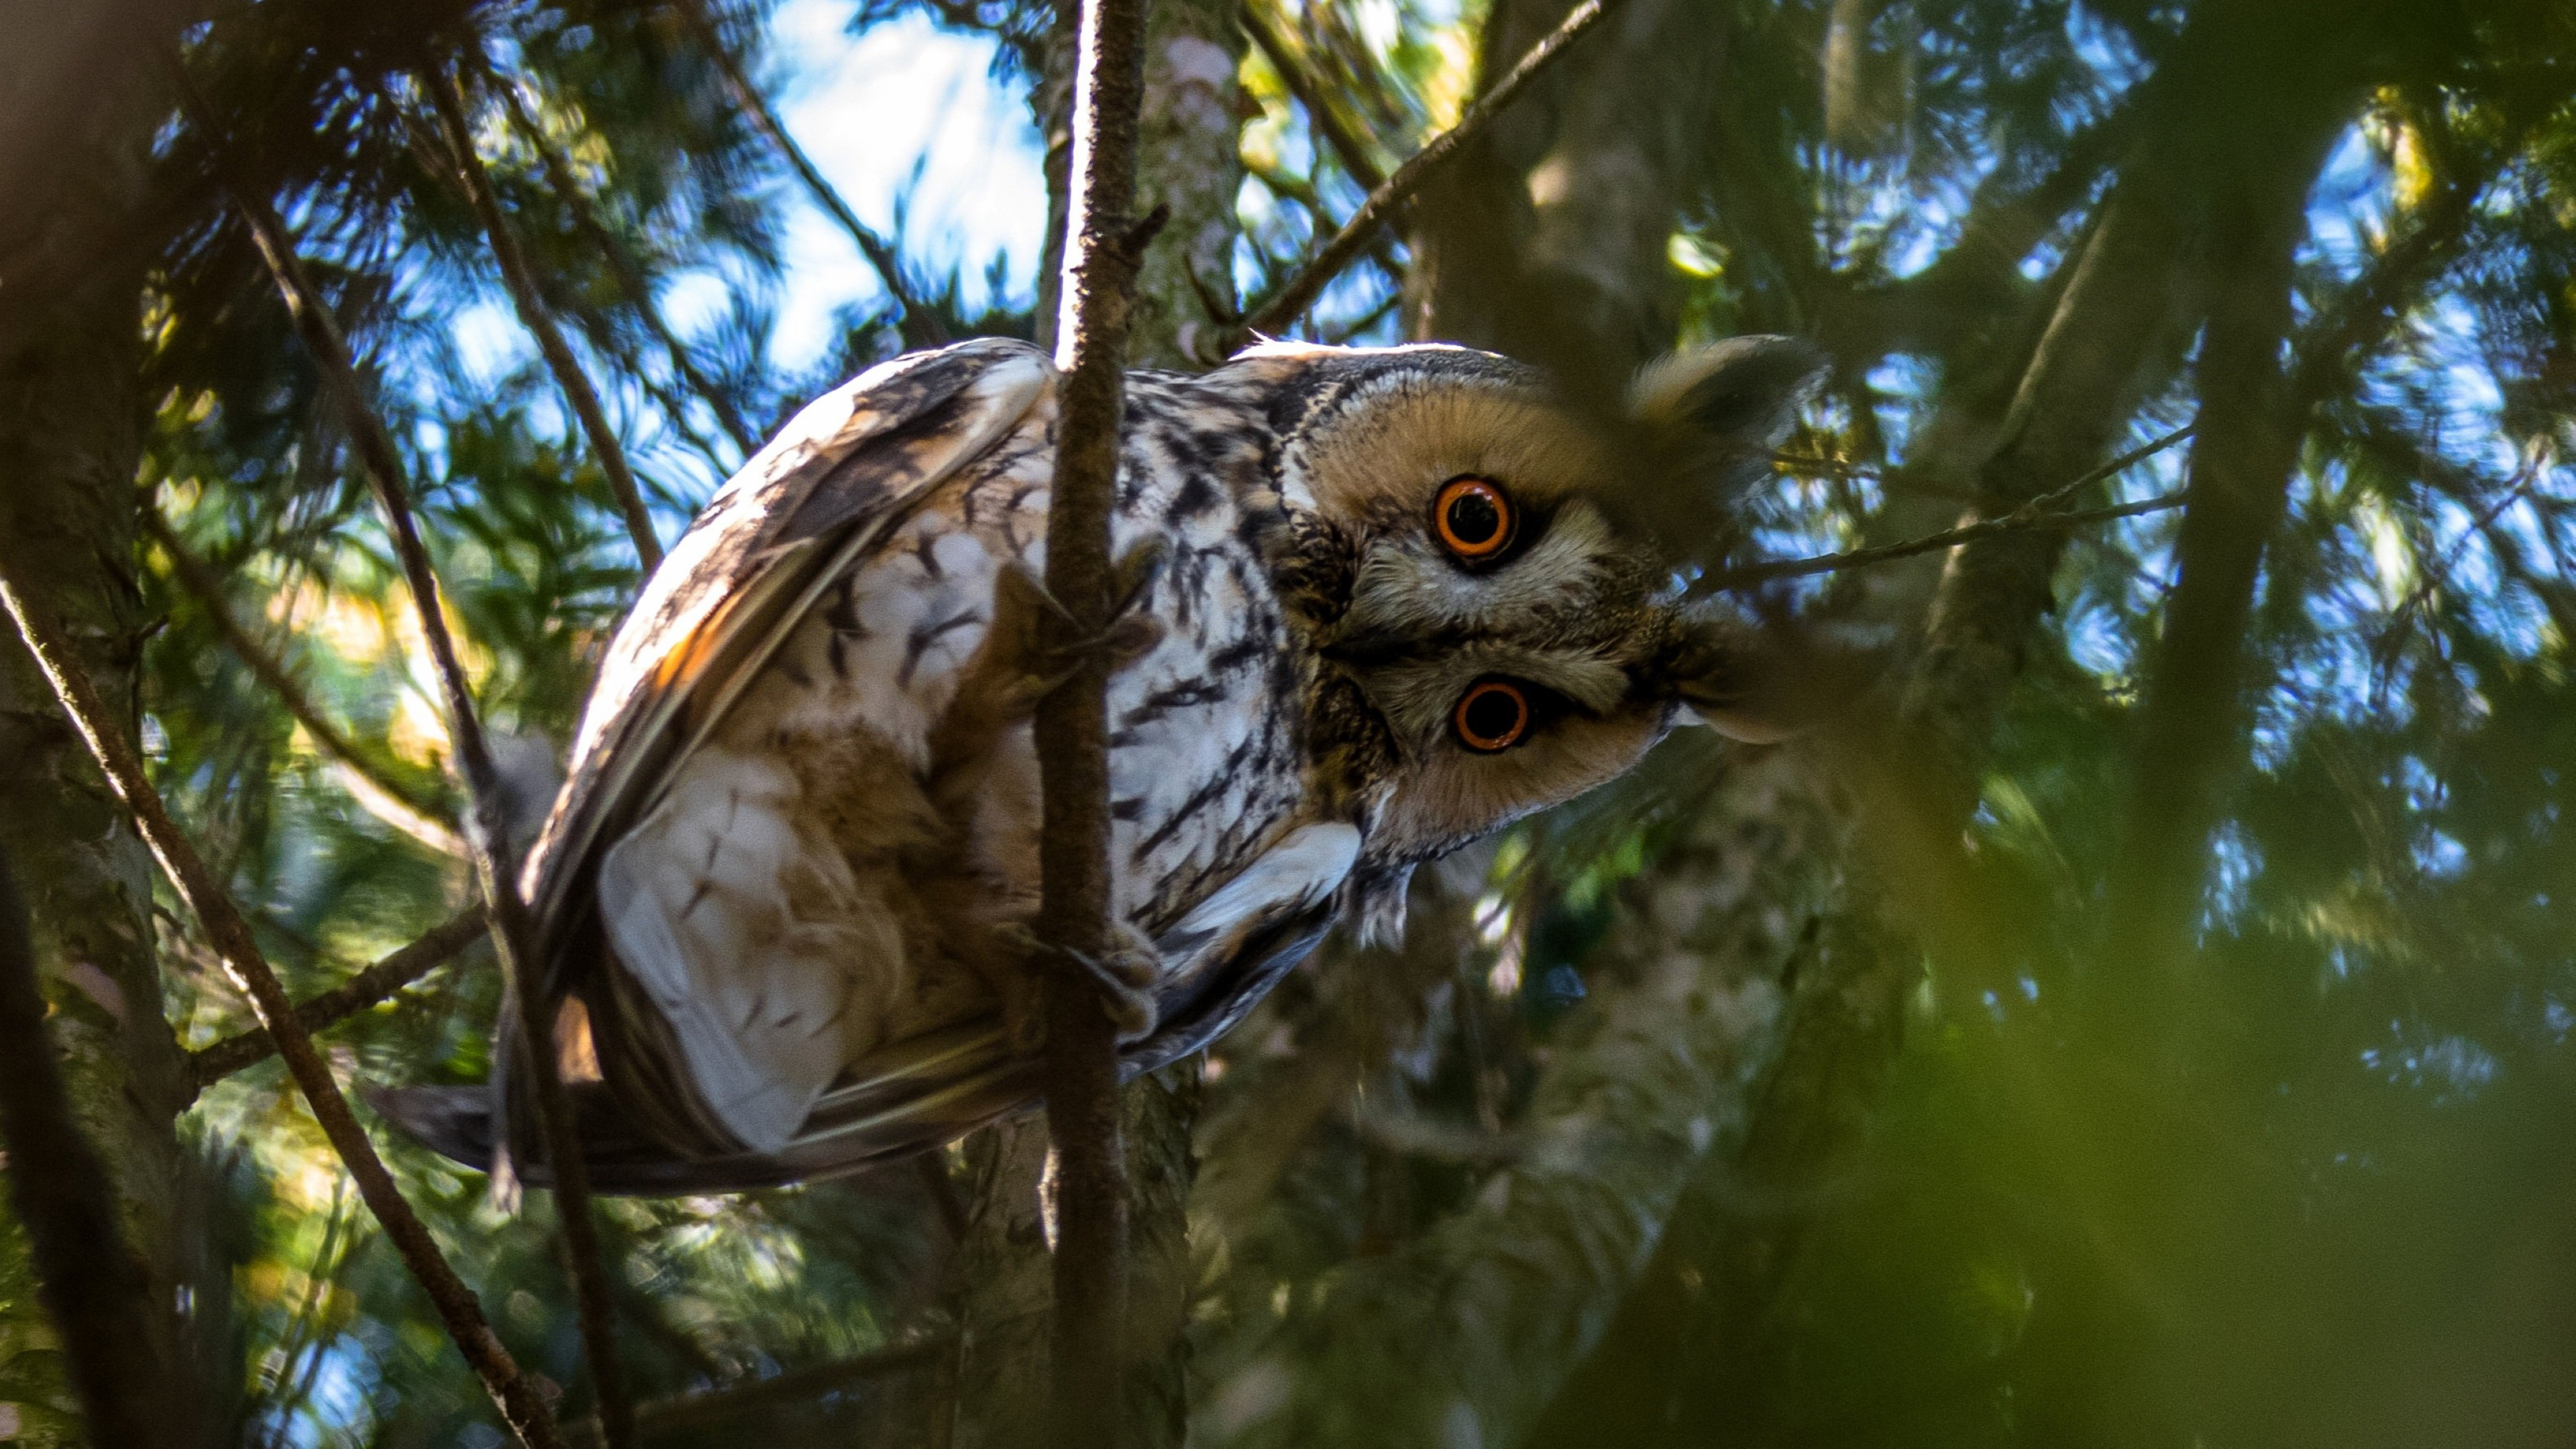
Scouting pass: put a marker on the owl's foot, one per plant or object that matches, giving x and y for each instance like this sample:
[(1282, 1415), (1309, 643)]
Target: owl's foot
[(1012, 670), (1131, 633), (1126, 974)]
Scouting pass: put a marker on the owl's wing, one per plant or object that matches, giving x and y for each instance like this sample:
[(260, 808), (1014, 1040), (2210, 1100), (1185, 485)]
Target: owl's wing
[(930, 1089), (1224, 955), (828, 484), (845, 469)]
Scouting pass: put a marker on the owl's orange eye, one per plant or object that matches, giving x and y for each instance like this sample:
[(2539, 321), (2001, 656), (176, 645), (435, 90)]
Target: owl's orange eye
[(1492, 715), (1473, 518)]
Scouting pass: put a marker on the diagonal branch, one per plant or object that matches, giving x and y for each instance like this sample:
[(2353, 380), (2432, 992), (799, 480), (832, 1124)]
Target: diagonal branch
[(714, 1408), (384, 793), (620, 259), (755, 107), (88, 1278), (448, 104), (1300, 293), (231, 936), (1320, 112), (436, 947), (2038, 513), (487, 833), (1101, 250)]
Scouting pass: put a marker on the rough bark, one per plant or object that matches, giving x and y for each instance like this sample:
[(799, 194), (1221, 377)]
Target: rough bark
[(77, 106), (1104, 241), (1545, 239), (89, 1281), (1463, 1335)]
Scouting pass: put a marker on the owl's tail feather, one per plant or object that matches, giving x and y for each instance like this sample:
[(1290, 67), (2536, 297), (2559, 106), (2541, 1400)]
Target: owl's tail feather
[(909, 1098)]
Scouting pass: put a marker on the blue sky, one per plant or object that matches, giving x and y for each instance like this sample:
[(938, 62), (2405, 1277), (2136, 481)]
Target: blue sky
[(870, 109)]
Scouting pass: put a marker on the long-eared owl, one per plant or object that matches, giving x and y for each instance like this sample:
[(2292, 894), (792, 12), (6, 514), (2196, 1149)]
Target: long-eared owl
[(1379, 602)]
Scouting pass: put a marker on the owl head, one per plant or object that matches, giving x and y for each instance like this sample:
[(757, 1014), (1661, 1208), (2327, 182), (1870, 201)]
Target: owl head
[(1493, 583)]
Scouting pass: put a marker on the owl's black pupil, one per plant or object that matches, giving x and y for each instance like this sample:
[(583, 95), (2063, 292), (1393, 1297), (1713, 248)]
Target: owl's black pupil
[(1493, 715), (1473, 518)]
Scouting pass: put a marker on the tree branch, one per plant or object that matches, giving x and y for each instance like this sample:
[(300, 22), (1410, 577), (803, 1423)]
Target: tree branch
[(448, 104), (383, 793), (90, 1281), (1320, 114), (1102, 247), (2033, 515), (1300, 292), (620, 259), (923, 327), (487, 833), (441, 944), (715, 1407), (521, 1407)]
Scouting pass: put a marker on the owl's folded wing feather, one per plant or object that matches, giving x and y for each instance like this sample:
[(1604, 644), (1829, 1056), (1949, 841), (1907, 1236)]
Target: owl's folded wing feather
[(838, 474), (846, 468), (931, 1089)]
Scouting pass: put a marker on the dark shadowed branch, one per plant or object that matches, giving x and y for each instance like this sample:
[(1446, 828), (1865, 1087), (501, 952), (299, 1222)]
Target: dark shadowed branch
[(1102, 247), (1300, 291), (89, 1279), (714, 1408), (521, 1405), (2259, 412), (442, 943), (447, 102), (487, 831)]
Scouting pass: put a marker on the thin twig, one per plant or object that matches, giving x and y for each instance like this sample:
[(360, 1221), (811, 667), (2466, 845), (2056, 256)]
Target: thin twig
[(2014, 522), (448, 104), (1300, 293), (713, 1407), (2039, 506), (231, 937), (441, 944), (620, 259), (88, 1279), (1101, 249), (487, 825), (879, 252), (1346, 147), (403, 806), (2032, 515)]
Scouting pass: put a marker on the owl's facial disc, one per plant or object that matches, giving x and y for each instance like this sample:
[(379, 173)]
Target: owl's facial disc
[(1488, 613)]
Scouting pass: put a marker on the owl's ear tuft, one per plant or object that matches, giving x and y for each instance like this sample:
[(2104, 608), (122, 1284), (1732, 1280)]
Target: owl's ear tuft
[(1765, 683), (1718, 411)]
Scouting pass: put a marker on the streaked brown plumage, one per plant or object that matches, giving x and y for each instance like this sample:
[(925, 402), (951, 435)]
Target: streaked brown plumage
[(783, 893)]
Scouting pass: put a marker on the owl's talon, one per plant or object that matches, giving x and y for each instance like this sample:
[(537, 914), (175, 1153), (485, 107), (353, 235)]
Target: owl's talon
[(1126, 974)]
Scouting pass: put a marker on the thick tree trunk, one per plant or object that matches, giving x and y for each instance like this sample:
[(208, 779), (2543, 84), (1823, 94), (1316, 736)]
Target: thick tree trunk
[(1189, 164), (76, 112), (1545, 239)]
